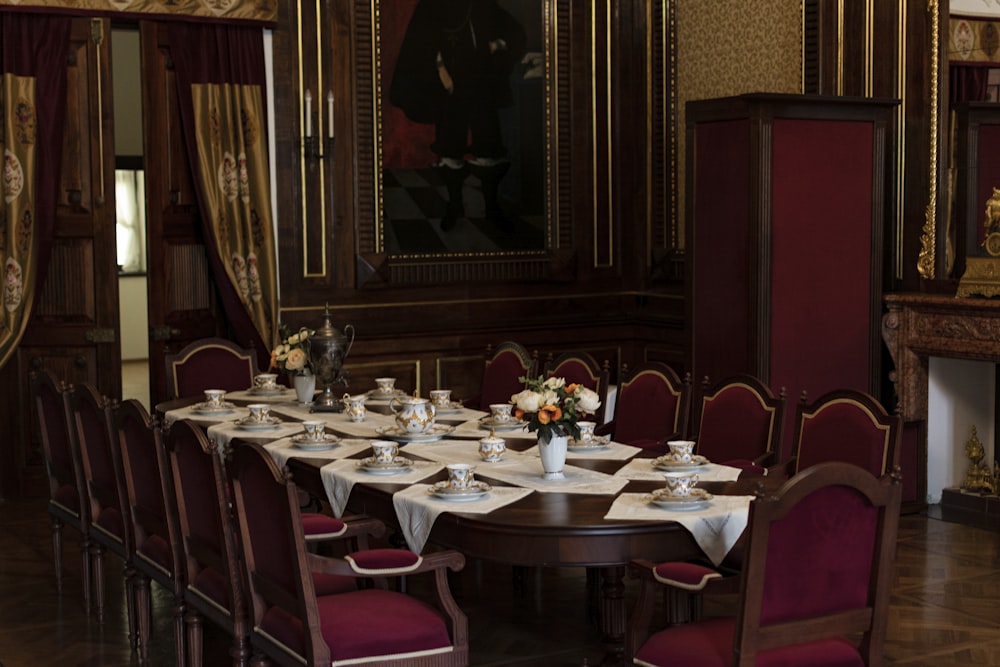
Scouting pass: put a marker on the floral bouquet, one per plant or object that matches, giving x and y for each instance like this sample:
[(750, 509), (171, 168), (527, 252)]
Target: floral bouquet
[(292, 354), (553, 407)]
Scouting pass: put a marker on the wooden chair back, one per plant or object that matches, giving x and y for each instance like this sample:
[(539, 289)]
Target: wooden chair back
[(213, 579), (505, 364), (582, 368), (210, 363), (738, 421), (652, 406), (846, 425)]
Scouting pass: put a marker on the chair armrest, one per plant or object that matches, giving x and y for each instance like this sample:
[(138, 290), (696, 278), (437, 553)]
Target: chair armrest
[(385, 563)]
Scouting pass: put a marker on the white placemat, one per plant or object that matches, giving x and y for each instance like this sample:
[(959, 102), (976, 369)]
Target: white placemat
[(460, 416), (223, 433), (284, 449), (189, 412), (520, 469), (286, 395), (472, 429), (642, 469), (416, 509), (340, 423), (716, 528), (615, 451), (340, 477)]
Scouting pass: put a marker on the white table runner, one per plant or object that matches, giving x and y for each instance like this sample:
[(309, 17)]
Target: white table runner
[(416, 509), (284, 449), (340, 477), (615, 451), (716, 528), (642, 469)]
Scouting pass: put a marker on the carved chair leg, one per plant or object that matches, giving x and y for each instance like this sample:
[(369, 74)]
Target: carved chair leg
[(193, 639), (86, 573), (97, 565), (142, 612), (130, 606), (56, 526)]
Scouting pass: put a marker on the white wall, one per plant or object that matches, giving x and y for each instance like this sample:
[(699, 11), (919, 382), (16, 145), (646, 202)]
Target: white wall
[(960, 395), (134, 317)]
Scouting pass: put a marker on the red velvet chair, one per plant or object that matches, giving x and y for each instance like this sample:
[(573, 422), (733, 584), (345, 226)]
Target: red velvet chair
[(582, 368), (67, 498), (295, 624), (846, 425), (814, 590), (152, 515), (651, 408), (505, 365), (210, 363), (91, 417), (738, 421)]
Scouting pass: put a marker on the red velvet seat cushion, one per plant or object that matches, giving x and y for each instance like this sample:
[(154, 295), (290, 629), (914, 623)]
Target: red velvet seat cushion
[(157, 550), (333, 584), (318, 526), (110, 519), (354, 625), (709, 643), (213, 585)]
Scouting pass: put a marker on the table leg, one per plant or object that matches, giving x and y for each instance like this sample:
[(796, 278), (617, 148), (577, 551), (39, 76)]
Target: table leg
[(613, 612)]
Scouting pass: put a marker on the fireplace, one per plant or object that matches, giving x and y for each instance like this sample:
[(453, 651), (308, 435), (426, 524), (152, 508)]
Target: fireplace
[(920, 326)]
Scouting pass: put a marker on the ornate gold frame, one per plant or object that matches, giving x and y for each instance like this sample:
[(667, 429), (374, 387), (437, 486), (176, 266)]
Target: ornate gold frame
[(375, 267)]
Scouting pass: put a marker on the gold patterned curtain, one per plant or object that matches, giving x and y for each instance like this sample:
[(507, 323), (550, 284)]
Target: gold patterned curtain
[(32, 112), (220, 78)]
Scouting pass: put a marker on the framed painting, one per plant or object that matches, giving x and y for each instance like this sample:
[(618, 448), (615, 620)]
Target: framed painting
[(462, 108)]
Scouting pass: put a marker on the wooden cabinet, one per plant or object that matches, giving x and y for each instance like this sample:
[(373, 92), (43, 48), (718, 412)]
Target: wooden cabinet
[(787, 204)]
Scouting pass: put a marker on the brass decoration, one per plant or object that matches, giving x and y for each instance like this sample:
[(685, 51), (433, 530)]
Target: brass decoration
[(926, 259), (979, 479), (982, 274)]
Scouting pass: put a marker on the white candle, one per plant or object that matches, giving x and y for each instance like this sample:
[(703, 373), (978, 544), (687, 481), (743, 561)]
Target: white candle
[(329, 113), (309, 111)]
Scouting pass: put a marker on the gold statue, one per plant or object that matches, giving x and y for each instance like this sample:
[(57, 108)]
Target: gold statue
[(992, 224), (979, 479)]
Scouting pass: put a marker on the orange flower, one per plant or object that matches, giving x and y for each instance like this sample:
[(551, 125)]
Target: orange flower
[(518, 413), (571, 388), (274, 359), (543, 416), (556, 413)]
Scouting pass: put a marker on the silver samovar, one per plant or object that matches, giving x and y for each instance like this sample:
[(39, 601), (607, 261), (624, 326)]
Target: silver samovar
[(328, 348)]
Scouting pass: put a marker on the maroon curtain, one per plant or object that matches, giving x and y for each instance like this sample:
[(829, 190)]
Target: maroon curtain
[(967, 82), (214, 53), (33, 51)]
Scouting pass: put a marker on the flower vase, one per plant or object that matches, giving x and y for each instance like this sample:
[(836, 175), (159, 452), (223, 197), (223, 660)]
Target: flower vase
[(305, 387), (553, 455)]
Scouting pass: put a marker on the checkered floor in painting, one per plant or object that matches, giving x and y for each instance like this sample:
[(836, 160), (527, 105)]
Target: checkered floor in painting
[(415, 200)]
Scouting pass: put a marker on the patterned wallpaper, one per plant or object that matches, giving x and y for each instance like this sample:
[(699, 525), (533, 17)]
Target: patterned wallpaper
[(731, 47)]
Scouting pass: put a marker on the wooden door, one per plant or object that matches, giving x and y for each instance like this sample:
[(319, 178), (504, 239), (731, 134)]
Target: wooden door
[(183, 302), (73, 330)]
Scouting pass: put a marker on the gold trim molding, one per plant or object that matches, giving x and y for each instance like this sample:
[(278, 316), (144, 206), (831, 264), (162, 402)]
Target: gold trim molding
[(928, 239), (255, 11)]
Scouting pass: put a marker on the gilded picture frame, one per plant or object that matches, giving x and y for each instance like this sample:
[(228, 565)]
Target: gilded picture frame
[(384, 260)]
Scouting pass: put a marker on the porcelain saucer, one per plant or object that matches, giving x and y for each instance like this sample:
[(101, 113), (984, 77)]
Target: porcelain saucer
[(698, 499), (598, 442), (397, 465), (488, 423), (305, 443), (665, 462), (209, 409), (444, 491), (249, 425)]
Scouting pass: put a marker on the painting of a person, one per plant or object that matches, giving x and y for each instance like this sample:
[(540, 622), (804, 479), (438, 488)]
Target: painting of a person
[(453, 72)]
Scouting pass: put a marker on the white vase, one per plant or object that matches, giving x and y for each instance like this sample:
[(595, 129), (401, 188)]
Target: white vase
[(553, 455), (305, 387)]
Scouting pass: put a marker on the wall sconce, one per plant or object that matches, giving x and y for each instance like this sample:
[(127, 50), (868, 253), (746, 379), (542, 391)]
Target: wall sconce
[(314, 146)]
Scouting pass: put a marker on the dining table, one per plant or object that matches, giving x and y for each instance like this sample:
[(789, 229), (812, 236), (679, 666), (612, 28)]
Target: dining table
[(599, 517)]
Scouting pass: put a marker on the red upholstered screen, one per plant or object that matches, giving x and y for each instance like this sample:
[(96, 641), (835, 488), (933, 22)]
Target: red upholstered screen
[(721, 241), (821, 272)]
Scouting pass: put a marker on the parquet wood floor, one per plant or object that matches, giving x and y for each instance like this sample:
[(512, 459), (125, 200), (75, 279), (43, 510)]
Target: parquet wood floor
[(944, 609)]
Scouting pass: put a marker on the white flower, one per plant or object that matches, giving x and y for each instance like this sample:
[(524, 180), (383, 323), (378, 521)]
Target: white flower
[(554, 383), (296, 359), (549, 397), (527, 401), (587, 400), (293, 339)]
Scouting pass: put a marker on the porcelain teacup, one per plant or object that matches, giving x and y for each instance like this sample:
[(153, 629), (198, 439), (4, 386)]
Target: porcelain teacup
[(681, 451), (680, 484), (501, 413), (259, 412), (265, 381), (355, 407), (385, 451), (441, 398), (213, 397), (386, 386), (460, 475), (586, 430), (314, 428), (491, 448)]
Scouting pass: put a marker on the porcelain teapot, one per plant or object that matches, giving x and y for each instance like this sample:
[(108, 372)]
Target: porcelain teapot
[(413, 414)]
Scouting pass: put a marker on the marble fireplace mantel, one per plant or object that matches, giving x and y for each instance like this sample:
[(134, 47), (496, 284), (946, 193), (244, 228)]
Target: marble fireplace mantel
[(919, 326)]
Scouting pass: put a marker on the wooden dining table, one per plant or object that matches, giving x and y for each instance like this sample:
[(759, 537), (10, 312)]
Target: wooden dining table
[(549, 529)]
